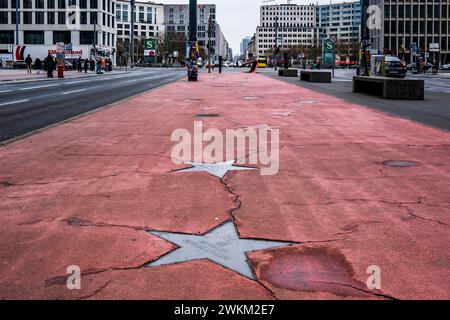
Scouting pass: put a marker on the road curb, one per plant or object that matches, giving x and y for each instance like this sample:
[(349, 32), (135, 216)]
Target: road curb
[(9, 82)]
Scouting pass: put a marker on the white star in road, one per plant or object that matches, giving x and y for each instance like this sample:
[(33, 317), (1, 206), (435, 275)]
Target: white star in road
[(221, 245), (216, 169)]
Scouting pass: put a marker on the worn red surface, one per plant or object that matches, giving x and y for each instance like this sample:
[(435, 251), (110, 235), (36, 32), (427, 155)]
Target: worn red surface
[(85, 192)]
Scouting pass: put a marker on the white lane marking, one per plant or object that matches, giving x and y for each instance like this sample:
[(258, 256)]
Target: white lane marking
[(39, 87), (13, 102), (73, 82), (74, 91), (5, 91), (134, 80)]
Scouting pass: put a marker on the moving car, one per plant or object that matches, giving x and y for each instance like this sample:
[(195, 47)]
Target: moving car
[(262, 63), (394, 67)]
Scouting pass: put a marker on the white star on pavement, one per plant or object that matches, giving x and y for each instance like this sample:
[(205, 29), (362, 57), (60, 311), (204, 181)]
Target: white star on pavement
[(221, 245), (216, 169)]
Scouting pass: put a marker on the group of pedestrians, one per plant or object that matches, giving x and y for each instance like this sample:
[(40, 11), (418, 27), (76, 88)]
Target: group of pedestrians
[(49, 64)]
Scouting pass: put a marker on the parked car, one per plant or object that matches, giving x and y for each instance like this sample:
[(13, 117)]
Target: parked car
[(413, 66), (445, 67), (20, 64), (394, 67)]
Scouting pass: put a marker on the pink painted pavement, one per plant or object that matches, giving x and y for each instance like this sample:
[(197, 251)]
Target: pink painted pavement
[(85, 192)]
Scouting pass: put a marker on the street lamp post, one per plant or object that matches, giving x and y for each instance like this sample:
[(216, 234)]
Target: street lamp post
[(17, 22), (132, 4), (211, 27), (364, 35), (276, 42)]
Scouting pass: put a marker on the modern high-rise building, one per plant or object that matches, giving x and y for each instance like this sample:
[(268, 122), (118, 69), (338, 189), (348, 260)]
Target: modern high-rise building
[(420, 23), (342, 20), (244, 44), (292, 25), (44, 23)]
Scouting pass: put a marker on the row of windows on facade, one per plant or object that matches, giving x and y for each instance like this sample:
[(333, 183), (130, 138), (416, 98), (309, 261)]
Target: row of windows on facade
[(37, 37), (201, 28), (58, 4), (272, 36), (416, 27), (60, 17), (136, 33), (398, 43), (183, 9), (288, 25), (123, 16), (283, 14), (289, 19), (182, 16), (136, 27), (416, 11)]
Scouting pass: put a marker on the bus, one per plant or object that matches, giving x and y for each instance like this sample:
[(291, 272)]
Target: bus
[(262, 62)]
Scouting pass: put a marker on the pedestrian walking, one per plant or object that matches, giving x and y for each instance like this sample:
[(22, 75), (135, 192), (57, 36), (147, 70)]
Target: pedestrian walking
[(28, 62), (38, 65), (99, 65), (49, 65), (80, 65), (86, 62), (109, 65)]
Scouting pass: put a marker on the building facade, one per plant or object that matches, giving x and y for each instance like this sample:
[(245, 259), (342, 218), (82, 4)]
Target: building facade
[(148, 20), (292, 25), (417, 23), (342, 20), (44, 23), (176, 17)]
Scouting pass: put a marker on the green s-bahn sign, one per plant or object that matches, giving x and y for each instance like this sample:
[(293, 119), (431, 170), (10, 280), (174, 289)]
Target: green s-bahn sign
[(150, 48), (328, 53)]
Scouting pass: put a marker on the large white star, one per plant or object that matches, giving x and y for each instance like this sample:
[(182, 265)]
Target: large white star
[(216, 169), (221, 245)]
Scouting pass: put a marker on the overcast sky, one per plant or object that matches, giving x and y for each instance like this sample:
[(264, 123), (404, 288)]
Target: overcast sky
[(239, 18)]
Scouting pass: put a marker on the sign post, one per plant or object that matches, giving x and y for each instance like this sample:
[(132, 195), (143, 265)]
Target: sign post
[(60, 49), (150, 51), (328, 53)]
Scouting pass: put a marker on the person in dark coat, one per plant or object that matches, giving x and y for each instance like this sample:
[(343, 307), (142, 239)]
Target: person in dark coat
[(80, 65), (28, 62), (86, 63), (49, 64), (38, 65)]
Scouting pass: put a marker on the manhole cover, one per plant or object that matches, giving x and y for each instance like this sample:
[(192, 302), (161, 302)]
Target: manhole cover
[(207, 115), (399, 164)]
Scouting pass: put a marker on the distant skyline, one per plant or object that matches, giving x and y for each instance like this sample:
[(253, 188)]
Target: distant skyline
[(239, 18)]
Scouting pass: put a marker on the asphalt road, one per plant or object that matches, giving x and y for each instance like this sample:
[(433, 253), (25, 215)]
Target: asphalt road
[(433, 111), (27, 107)]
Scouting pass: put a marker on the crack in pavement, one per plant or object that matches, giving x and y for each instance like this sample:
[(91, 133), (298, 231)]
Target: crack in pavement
[(77, 222), (97, 291), (358, 289)]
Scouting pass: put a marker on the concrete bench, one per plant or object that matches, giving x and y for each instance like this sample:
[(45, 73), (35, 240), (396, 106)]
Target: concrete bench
[(315, 76), (288, 73), (390, 88)]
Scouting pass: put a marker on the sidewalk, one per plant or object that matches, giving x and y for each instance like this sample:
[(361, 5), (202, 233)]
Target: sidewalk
[(8, 76), (85, 193)]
